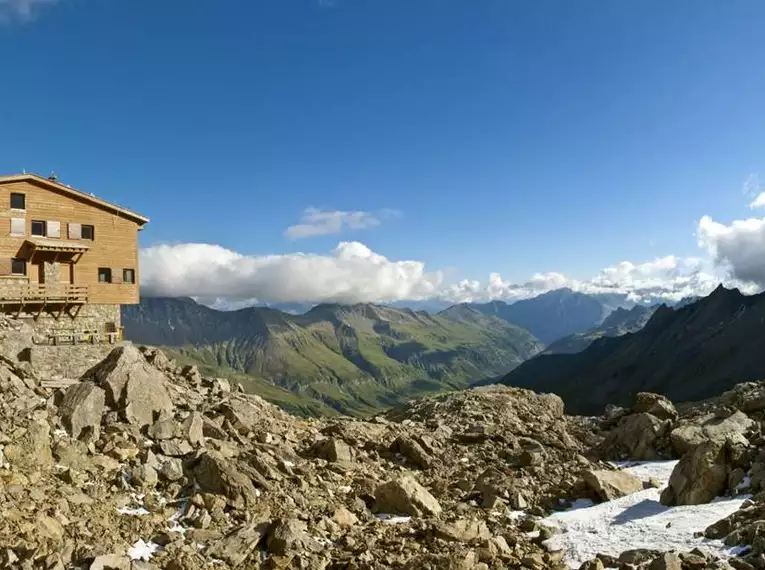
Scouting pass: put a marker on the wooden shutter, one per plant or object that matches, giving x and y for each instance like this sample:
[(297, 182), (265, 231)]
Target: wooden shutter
[(75, 231), (5, 265), (116, 276), (18, 227), (54, 229)]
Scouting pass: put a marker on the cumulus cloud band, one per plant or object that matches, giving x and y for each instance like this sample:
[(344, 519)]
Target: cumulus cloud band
[(351, 273)]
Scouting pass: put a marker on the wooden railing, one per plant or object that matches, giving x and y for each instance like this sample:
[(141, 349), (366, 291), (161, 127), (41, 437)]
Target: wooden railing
[(25, 293)]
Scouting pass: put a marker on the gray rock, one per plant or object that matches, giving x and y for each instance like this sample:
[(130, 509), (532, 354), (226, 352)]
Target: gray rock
[(405, 496), (334, 450), (700, 476), (193, 429), (690, 434), (172, 469), (81, 410), (635, 437), (166, 428), (667, 561), (216, 474), (242, 415), (463, 530), (133, 386), (290, 535), (145, 475), (413, 451), (609, 485), (654, 404), (237, 546)]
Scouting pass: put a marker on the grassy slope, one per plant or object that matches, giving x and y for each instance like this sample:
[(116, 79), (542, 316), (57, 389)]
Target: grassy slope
[(356, 359)]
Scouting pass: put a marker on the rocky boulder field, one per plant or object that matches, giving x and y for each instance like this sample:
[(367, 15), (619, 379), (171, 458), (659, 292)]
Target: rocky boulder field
[(142, 464)]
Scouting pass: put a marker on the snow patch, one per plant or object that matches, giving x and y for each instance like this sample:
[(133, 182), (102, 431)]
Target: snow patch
[(393, 519), (142, 550), (133, 512), (638, 520)]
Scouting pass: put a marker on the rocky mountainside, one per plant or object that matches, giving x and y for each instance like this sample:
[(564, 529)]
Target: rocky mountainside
[(619, 322), (355, 359), (689, 353), (550, 316), (146, 464)]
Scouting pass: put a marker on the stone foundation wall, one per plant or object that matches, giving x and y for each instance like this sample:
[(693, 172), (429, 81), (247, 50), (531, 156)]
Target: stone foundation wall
[(90, 317), (51, 362)]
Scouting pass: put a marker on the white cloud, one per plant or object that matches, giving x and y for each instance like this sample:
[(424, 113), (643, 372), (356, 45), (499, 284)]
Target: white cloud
[(759, 201), (354, 273), (662, 279), (22, 9), (316, 222), (351, 273), (738, 247)]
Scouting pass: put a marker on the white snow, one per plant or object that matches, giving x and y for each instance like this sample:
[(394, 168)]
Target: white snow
[(393, 519), (142, 550), (638, 520), (133, 512)]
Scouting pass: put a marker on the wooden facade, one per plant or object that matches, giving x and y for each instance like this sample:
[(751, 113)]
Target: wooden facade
[(60, 246)]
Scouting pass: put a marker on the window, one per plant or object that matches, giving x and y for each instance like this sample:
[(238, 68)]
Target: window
[(88, 232), (104, 275), (18, 266), (38, 228), (128, 275), (18, 201)]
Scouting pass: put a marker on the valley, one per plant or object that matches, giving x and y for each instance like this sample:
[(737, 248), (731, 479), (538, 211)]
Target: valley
[(353, 359)]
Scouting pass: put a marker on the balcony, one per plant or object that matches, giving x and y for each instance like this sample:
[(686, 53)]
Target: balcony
[(25, 293)]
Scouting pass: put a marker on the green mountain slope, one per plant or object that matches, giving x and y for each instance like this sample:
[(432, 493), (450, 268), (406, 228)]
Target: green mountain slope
[(690, 353), (355, 359), (619, 322)]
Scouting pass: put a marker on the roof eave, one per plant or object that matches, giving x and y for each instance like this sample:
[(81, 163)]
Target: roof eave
[(77, 193)]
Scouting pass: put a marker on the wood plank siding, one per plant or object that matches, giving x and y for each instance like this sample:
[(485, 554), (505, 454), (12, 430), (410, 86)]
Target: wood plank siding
[(63, 256)]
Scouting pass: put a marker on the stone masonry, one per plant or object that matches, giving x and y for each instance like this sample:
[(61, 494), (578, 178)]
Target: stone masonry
[(89, 317)]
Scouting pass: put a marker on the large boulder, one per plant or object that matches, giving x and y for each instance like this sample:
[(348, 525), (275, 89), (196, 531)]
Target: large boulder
[(216, 474), (689, 434), (405, 496), (132, 385), (609, 485), (81, 410), (635, 437), (654, 404), (700, 476)]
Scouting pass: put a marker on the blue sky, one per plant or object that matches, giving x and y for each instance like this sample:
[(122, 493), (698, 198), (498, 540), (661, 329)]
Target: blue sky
[(471, 137)]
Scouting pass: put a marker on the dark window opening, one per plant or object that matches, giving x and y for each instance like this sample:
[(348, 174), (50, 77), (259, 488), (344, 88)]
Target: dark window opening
[(128, 275), (38, 228), (18, 201), (104, 275), (18, 267), (88, 232)]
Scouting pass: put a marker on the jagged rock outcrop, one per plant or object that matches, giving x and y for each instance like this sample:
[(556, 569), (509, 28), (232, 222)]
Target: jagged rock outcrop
[(133, 386)]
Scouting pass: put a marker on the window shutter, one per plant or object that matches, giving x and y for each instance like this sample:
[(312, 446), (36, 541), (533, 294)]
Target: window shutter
[(54, 229), (75, 231), (18, 227), (5, 265), (116, 276)]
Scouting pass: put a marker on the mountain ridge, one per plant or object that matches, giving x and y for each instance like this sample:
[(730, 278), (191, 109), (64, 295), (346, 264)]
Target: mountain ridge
[(354, 358), (686, 353)]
